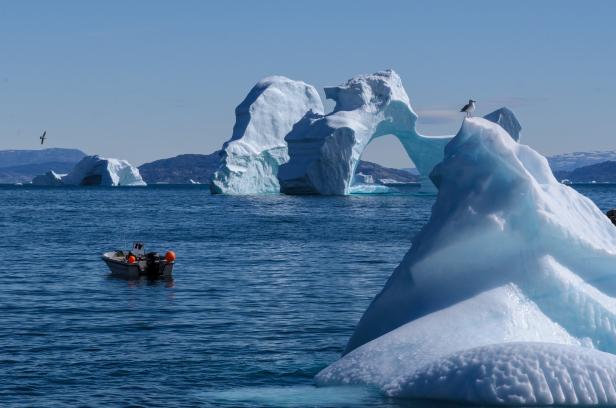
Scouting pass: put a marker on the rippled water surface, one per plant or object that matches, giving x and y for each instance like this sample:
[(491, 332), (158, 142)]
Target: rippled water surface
[(266, 292)]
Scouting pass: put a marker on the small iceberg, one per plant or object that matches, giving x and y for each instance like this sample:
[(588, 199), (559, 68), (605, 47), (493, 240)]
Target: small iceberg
[(370, 189), (94, 171), (365, 184), (51, 178)]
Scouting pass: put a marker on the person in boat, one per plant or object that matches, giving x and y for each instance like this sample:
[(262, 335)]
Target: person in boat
[(129, 255)]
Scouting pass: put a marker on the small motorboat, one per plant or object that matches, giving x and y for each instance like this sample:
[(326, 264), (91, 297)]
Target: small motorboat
[(137, 262)]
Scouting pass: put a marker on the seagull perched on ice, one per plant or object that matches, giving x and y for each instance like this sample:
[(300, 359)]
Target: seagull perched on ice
[(42, 137), (469, 108)]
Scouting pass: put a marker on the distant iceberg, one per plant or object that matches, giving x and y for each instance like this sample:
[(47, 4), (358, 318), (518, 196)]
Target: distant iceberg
[(507, 120), (250, 160), (51, 178), (507, 296), (392, 181), (370, 189), (96, 171), (361, 178)]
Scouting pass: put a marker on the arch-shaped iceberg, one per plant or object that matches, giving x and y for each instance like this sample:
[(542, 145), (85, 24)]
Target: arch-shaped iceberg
[(282, 141), (94, 171), (324, 150)]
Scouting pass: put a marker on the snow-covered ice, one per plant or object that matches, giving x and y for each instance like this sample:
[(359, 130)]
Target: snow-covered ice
[(504, 313), (250, 160), (95, 170), (516, 374), (507, 295)]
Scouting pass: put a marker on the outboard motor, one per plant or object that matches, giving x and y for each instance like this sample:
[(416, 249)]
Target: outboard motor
[(152, 260)]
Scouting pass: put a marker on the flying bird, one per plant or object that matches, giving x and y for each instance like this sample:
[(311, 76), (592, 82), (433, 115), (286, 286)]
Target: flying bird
[(42, 137), (469, 108)]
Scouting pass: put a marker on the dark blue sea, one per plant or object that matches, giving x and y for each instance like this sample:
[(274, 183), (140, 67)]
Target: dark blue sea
[(266, 292)]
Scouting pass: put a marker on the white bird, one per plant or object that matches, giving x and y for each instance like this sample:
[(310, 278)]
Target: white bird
[(469, 108)]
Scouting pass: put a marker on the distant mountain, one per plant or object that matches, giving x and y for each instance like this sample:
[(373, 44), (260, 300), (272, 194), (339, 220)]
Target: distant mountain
[(25, 174), (10, 158), (571, 161), (411, 170), (20, 166), (601, 173), (385, 174), (200, 167), (181, 169)]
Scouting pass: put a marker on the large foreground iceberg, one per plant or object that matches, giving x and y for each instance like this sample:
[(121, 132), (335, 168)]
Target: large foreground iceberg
[(95, 171), (250, 160), (507, 296)]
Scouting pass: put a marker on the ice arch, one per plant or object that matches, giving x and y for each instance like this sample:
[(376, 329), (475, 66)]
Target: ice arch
[(324, 150)]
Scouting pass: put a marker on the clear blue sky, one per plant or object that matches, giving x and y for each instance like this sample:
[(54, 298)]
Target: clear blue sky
[(142, 80)]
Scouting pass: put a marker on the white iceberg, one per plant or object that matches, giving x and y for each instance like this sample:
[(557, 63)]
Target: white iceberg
[(324, 150), (250, 160), (507, 295), (361, 178), (370, 189), (97, 171)]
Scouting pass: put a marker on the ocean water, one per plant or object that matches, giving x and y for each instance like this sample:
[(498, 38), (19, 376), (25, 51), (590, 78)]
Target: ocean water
[(266, 292)]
